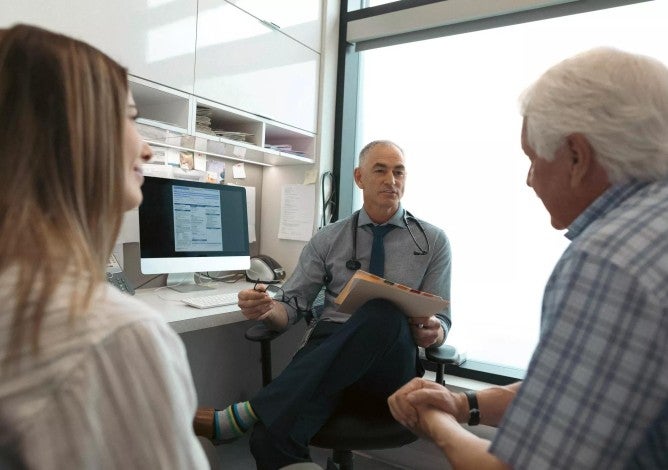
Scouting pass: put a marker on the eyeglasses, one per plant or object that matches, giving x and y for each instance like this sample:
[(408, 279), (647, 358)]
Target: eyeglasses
[(272, 289), (276, 293)]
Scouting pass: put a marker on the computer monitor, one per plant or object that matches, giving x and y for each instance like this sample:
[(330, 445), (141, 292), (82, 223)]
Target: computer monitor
[(188, 226)]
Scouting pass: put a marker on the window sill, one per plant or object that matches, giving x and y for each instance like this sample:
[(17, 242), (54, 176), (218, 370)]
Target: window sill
[(481, 372)]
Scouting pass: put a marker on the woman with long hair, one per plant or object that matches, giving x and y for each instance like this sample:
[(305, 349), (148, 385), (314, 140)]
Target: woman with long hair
[(89, 376)]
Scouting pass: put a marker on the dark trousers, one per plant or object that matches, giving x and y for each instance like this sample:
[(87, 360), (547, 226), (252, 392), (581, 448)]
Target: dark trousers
[(372, 354)]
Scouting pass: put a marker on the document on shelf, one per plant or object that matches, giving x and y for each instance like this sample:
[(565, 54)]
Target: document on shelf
[(364, 286)]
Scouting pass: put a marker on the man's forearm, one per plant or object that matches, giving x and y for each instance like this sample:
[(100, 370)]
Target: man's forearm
[(463, 449), (494, 401)]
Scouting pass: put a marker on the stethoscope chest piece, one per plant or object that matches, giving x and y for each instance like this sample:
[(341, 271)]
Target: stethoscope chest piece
[(353, 264)]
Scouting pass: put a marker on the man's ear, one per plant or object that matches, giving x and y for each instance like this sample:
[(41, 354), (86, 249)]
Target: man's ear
[(357, 173), (582, 158)]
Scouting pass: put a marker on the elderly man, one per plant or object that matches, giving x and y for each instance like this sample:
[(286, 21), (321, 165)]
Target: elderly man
[(369, 353), (596, 391)]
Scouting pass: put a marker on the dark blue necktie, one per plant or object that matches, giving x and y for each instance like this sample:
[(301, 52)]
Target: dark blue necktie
[(377, 261)]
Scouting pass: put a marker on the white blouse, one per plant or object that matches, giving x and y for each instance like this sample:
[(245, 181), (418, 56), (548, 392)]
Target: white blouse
[(111, 389)]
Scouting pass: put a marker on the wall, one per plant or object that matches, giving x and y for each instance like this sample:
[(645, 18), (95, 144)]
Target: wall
[(287, 252)]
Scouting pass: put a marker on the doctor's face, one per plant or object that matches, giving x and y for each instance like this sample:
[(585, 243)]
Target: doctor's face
[(381, 176)]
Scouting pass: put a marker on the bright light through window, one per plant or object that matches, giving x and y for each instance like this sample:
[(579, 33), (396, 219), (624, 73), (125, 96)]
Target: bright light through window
[(452, 104)]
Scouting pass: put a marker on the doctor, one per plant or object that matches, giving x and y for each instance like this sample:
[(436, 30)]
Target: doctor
[(368, 354)]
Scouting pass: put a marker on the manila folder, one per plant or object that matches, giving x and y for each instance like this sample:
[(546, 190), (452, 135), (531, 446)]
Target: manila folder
[(364, 286)]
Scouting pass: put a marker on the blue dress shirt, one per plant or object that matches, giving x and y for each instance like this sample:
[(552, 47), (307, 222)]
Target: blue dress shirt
[(329, 249)]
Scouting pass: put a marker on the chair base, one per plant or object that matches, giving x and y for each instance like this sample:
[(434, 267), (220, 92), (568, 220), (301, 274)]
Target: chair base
[(359, 425), (341, 460)]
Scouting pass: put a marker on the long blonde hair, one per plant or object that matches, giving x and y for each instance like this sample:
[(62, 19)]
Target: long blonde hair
[(62, 109)]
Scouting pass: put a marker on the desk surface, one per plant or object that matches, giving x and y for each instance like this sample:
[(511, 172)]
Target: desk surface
[(183, 318)]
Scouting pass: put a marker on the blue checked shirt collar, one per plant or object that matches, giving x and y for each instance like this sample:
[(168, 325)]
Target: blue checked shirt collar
[(607, 201)]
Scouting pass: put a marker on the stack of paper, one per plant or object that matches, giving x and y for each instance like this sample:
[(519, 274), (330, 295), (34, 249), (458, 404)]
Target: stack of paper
[(203, 120)]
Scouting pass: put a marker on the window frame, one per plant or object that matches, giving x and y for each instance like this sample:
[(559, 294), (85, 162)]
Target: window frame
[(354, 18)]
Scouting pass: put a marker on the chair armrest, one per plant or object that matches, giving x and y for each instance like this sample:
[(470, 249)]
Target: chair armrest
[(260, 332), (441, 356), (445, 354)]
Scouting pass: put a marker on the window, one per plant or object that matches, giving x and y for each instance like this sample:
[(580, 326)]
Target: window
[(352, 6), (452, 104)]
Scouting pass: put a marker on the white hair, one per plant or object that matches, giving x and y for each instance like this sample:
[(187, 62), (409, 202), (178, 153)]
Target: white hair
[(617, 100)]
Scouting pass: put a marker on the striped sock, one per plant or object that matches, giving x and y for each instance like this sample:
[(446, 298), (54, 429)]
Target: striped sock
[(234, 421)]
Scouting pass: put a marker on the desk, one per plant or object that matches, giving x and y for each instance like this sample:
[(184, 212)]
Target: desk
[(224, 365), (183, 318)]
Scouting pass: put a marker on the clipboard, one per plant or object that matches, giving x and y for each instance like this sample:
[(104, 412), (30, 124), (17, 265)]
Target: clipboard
[(364, 286)]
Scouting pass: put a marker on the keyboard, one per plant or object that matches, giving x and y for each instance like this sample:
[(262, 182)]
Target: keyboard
[(214, 300)]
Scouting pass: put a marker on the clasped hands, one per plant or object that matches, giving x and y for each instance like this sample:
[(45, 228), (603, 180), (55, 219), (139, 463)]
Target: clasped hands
[(426, 407)]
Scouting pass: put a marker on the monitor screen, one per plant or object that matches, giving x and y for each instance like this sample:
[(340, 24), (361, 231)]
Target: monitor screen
[(188, 226)]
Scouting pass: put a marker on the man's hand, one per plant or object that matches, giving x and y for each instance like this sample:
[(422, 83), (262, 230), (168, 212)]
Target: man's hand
[(419, 393), (426, 331), (255, 304)]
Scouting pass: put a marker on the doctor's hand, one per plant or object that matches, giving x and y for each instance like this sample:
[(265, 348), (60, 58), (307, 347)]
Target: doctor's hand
[(426, 331), (257, 304)]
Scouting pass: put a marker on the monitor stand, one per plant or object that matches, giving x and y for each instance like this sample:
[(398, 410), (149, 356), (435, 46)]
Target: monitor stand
[(185, 282)]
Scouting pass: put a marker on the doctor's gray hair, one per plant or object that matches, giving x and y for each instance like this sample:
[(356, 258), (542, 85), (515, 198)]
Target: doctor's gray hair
[(375, 143), (617, 100)]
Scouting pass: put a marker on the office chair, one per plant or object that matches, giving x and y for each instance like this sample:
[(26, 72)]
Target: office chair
[(355, 425)]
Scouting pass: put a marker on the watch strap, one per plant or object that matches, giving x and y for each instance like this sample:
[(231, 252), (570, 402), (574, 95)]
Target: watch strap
[(474, 410)]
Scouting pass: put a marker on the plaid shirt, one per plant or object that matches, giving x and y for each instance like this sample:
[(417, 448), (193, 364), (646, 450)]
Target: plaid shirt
[(596, 390)]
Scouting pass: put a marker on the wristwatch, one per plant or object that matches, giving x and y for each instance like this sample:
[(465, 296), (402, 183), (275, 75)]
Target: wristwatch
[(474, 411)]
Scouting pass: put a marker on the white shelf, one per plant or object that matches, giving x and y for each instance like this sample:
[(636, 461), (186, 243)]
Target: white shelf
[(161, 106), (168, 119), (207, 153)]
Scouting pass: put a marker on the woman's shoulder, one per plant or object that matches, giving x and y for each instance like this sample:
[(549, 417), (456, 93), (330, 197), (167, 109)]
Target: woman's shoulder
[(112, 310)]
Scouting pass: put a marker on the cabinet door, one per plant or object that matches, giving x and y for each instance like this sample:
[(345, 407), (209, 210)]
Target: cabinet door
[(299, 19), (154, 39), (245, 64)]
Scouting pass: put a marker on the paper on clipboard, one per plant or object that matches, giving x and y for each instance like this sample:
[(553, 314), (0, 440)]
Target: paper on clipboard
[(364, 286)]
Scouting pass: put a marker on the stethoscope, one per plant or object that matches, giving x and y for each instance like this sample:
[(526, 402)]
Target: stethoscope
[(354, 264)]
